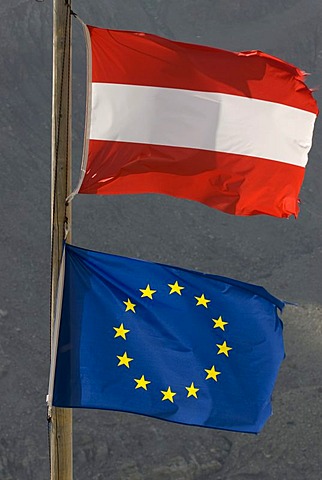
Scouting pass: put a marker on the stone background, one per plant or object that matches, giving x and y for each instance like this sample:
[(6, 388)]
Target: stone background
[(285, 256)]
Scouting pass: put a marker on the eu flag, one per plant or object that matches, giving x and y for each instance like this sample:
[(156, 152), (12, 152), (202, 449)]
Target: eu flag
[(163, 341)]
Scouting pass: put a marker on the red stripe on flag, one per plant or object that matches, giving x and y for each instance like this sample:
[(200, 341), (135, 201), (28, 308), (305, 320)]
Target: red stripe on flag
[(234, 184), (143, 59)]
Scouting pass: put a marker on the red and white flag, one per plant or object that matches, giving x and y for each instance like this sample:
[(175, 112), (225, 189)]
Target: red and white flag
[(227, 129)]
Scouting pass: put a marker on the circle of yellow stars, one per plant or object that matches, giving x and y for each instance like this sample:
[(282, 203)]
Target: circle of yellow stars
[(125, 360)]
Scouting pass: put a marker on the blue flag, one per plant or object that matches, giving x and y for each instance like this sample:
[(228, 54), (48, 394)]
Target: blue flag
[(166, 342)]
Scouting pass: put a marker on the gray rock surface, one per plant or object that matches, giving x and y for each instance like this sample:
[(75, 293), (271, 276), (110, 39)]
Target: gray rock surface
[(285, 256)]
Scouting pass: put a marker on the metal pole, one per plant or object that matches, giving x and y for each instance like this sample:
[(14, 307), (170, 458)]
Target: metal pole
[(61, 443)]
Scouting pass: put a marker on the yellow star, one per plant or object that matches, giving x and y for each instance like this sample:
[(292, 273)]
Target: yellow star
[(219, 323), (223, 348), (175, 288), (168, 395), (192, 391), (202, 301), (147, 292), (212, 373), (141, 382), (121, 331), (129, 305), (124, 360)]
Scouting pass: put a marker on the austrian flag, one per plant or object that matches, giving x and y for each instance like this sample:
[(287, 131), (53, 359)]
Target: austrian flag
[(227, 129)]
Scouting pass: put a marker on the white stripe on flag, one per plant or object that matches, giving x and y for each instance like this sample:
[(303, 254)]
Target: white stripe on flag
[(202, 120)]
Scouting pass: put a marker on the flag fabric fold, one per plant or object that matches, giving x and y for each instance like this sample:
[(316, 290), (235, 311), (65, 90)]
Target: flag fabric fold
[(231, 130), (166, 342)]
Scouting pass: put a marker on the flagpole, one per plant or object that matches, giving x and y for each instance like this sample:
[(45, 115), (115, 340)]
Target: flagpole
[(60, 419)]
